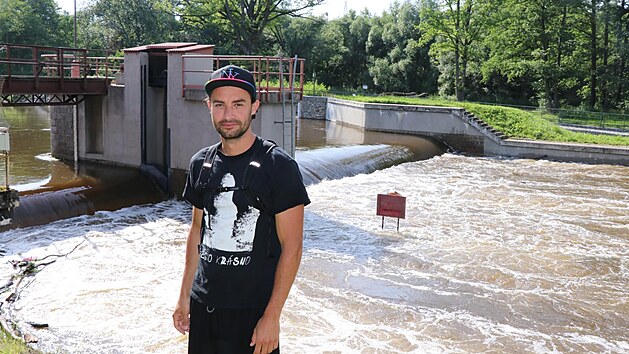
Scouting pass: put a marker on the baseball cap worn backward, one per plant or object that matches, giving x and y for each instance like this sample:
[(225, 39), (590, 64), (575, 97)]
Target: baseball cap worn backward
[(232, 75)]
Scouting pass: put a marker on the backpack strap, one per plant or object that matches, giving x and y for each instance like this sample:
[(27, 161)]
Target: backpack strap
[(203, 179), (252, 169), (257, 159)]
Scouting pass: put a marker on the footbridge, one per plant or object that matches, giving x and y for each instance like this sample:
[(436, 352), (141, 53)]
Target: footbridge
[(51, 76)]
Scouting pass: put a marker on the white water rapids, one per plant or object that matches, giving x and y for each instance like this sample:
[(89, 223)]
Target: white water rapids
[(495, 255)]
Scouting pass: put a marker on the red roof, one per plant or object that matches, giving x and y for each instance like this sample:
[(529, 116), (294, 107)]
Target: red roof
[(164, 46), (194, 48)]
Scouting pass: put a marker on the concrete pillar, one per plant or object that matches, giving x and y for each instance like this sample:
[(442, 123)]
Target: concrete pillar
[(61, 133)]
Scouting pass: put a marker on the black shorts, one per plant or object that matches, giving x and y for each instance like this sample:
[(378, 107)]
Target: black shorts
[(222, 331)]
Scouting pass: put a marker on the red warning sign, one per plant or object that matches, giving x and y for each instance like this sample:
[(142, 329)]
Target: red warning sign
[(392, 204)]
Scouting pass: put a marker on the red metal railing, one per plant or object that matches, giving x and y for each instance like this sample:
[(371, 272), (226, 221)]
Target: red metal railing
[(275, 76), (24, 62)]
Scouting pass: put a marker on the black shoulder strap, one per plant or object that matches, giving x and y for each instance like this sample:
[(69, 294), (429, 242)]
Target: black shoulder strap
[(204, 175), (255, 165), (257, 159)]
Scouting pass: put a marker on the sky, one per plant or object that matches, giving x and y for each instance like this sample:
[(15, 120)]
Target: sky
[(334, 8)]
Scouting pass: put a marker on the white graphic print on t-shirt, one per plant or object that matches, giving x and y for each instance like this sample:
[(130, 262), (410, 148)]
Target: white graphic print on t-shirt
[(225, 231)]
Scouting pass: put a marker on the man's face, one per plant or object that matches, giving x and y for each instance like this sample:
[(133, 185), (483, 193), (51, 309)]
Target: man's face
[(231, 110)]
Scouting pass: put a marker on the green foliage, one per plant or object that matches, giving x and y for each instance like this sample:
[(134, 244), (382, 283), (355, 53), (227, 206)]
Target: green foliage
[(329, 68), (513, 122), (457, 28), (30, 22), (8, 345), (531, 40), (396, 61), (315, 89), (535, 52), (316, 40), (118, 24)]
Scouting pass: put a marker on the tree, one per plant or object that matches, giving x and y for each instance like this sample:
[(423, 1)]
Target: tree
[(621, 33), (201, 22), (456, 26), (118, 24), (30, 22), (536, 39), (601, 17), (329, 58), (247, 22), (302, 37), (592, 6), (397, 61), (354, 35)]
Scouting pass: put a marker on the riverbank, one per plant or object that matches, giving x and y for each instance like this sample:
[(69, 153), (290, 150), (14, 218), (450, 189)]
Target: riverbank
[(480, 130), (10, 345), (512, 122)]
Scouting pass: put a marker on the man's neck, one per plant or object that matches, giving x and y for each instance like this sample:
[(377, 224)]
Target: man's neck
[(233, 147)]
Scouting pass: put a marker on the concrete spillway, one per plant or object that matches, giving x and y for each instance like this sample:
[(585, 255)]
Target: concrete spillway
[(97, 188)]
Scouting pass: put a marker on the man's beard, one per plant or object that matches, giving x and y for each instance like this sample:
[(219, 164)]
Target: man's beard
[(234, 134)]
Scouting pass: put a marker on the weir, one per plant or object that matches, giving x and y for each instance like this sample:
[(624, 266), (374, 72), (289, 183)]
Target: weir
[(93, 189), (324, 151)]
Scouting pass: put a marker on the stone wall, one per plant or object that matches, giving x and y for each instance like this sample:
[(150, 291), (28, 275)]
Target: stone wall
[(313, 107), (61, 132)]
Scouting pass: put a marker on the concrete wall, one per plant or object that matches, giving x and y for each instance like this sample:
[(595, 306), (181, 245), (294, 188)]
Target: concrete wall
[(189, 120), (558, 151), (128, 126), (113, 137), (461, 131), (155, 126), (92, 121), (440, 123), (61, 132), (103, 131)]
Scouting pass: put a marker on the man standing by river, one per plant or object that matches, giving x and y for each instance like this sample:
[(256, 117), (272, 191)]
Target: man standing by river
[(245, 241)]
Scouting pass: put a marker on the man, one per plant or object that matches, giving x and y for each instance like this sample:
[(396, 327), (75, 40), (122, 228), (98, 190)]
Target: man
[(245, 241)]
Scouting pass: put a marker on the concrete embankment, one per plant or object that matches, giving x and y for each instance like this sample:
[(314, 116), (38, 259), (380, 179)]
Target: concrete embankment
[(464, 132)]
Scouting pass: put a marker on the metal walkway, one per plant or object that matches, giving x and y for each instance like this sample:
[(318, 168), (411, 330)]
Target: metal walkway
[(35, 75)]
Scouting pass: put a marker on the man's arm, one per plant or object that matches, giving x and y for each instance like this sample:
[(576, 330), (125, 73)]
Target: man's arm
[(290, 230), (181, 315)]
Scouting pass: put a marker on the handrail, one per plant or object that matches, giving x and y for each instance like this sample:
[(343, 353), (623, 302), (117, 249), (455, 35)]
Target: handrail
[(605, 120), (40, 61), (266, 70)]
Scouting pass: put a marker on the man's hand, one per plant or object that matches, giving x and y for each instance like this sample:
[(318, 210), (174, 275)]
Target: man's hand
[(181, 316), (266, 335)]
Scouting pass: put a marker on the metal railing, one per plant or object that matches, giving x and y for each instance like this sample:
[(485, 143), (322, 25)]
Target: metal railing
[(20, 61), (561, 116), (275, 76)]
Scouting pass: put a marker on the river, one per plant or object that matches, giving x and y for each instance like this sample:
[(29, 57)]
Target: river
[(495, 256)]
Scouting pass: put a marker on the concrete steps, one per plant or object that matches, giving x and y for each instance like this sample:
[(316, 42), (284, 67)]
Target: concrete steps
[(485, 128)]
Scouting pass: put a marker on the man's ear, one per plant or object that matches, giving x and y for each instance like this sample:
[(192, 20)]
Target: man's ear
[(254, 107)]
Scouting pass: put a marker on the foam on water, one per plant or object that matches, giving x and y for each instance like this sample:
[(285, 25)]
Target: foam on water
[(494, 255), (46, 157)]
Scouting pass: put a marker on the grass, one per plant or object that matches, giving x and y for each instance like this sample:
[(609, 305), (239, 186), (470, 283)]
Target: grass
[(594, 119), (9, 345), (513, 122)]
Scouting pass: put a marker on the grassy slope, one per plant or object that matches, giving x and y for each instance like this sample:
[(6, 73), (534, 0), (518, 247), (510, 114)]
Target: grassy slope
[(513, 122), (8, 345)]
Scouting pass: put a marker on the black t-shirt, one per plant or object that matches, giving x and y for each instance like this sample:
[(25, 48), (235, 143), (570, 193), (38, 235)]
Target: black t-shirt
[(239, 247)]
